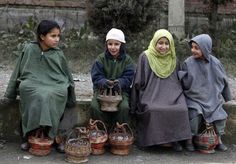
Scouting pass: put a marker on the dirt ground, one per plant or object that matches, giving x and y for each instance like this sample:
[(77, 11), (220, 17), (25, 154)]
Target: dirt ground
[(11, 154), (83, 84)]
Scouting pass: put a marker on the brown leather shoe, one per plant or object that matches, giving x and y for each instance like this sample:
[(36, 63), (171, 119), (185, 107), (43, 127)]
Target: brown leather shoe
[(25, 146)]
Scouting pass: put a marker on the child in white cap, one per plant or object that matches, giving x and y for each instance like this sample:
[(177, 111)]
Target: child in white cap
[(112, 66)]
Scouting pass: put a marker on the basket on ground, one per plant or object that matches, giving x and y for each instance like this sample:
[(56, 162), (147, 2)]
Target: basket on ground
[(207, 140), (39, 144), (77, 146), (121, 139), (97, 136)]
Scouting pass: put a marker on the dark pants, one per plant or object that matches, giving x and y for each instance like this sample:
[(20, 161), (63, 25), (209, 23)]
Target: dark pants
[(196, 123), (110, 118)]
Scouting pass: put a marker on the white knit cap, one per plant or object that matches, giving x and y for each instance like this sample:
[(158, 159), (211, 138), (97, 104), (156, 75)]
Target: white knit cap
[(116, 34)]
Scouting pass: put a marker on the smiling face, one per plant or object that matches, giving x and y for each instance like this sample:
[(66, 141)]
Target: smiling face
[(163, 45), (196, 51), (51, 39), (113, 47)]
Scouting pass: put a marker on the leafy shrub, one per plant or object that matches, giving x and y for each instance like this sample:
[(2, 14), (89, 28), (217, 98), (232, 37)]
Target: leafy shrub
[(129, 15)]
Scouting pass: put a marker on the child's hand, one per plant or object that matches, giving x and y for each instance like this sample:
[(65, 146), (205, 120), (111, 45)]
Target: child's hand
[(110, 83)]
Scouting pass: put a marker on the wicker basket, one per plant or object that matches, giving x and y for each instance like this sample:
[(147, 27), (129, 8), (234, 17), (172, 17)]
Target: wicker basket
[(40, 145), (109, 99), (97, 136), (121, 139), (78, 149), (207, 140)]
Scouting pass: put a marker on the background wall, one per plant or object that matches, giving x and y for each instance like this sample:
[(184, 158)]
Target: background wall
[(72, 13), (69, 14)]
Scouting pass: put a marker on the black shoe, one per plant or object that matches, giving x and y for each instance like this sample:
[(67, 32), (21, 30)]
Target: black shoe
[(60, 148), (221, 147), (25, 146), (189, 147), (177, 147)]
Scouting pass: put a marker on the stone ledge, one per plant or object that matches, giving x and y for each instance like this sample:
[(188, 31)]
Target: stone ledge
[(79, 115), (10, 118), (230, 130), (83, 101)]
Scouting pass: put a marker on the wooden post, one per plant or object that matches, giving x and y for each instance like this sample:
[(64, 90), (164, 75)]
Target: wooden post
[(176, 18)]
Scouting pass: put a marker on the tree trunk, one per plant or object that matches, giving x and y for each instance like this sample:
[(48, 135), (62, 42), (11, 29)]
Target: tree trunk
[(213, 18)]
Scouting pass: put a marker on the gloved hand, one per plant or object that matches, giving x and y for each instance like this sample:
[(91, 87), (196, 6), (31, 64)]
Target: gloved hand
[(116, 86), (110, 83)]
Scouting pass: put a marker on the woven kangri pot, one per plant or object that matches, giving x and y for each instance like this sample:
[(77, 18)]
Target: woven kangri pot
[(97, 136), (121, 139), (40, 145), (78, 149), (109, 99), (207, 140)]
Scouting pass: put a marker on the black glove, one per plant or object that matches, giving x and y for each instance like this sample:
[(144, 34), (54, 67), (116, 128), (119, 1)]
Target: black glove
[(116, 87), (110, 83)]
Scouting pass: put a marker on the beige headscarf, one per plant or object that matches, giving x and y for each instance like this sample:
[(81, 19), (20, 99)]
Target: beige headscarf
[(163, 65)]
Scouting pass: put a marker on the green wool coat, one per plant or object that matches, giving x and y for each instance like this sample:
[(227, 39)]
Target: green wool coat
[(45, 86)]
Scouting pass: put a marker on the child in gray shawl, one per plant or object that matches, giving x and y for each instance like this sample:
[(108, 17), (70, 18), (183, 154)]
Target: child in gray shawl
[(205, 85)]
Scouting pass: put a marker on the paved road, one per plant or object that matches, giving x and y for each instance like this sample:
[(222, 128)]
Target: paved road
[(11, 154)]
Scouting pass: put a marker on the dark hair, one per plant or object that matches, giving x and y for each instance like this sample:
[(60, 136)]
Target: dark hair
[(45, 26), (122, 51)]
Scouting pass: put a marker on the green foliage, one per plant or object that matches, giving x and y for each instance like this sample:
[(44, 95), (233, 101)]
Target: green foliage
[(28, 28), (213, 18), (81, 48), (182, 49), (129, 15), (30, 24), (11, 44), (227, 39), (137, 43), (229, 66)]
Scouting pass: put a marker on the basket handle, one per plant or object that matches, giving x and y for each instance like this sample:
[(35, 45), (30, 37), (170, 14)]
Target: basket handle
[(109, 89), (122, 126), (209, 129), (116, 82), (103, 125), (92, 124), (77, 131), (82, 130), (39, 133), (95, 122)]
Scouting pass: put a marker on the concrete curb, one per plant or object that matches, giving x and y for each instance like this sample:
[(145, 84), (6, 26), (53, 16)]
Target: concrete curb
[(79, 116)]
